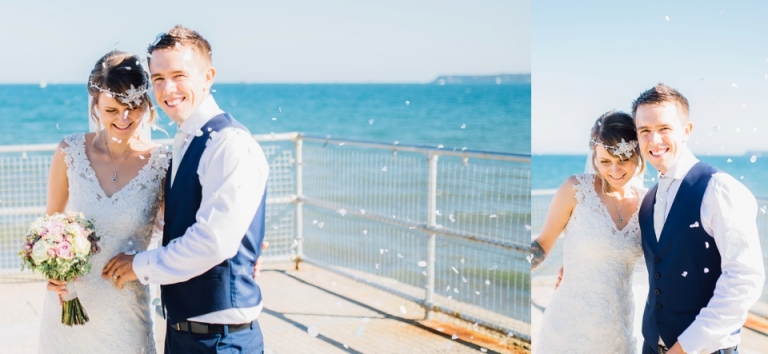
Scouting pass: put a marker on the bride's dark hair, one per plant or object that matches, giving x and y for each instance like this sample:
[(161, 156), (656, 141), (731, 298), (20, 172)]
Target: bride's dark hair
[(609, 130), (116, 72)]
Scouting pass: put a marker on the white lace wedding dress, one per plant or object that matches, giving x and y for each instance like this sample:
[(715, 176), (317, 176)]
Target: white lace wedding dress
[(593, 309), (120, 320)]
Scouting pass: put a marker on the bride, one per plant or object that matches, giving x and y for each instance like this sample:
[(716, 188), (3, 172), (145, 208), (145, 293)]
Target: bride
[(592, 309), (114, 176)]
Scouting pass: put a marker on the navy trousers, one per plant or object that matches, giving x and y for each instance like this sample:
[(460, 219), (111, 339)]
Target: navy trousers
[(247, 341)]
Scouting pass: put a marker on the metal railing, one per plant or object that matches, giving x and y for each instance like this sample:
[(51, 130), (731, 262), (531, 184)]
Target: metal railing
[(540, 200), (446, 229)]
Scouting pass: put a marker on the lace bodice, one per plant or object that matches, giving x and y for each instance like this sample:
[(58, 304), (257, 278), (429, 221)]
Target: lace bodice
[(120, 320), (592, 310)]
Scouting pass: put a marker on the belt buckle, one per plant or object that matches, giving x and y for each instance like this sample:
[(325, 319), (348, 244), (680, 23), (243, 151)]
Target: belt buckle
[(198, 328)]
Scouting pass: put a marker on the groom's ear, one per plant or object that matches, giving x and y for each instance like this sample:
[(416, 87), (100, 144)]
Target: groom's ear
[(210, 75), (687, 129)]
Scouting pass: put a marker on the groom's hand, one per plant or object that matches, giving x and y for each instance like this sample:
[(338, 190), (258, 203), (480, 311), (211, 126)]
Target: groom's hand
[(257, 266), (120, 270)]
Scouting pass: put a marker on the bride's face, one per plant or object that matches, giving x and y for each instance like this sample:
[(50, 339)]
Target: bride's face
[(613, 170), (117, 119)]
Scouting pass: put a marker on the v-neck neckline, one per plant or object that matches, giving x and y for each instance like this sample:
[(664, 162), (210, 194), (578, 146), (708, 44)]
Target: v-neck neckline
[(89, 167)]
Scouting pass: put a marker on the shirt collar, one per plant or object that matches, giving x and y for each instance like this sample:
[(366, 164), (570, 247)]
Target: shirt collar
[(684, 163), (204, 112)]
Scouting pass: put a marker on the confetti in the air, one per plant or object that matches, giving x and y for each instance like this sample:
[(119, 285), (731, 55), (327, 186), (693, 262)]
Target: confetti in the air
[(455, 270), (454, 337), (685, 274), (402, 309), (342, 212), (365, 232), (487, 282), (463, 126), (764, 209), (706, 244), (320, 224), (667, 17), (407, 103), (370, 122), (695, 225), (384, 169), (450, 216), (753, 159), (493, 216), (734, 85), (422, 264), (706, 270), (729, 160)]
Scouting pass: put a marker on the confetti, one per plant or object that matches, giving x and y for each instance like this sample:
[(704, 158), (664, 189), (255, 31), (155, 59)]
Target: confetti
[(464, 279), (312, 330), (529, 258), (494, 267), (362, 211), (360, 331), (274, 118), (462, 261), (377, 266), (127, 68), (384, 169), (199, 133), (487, 282), (667, 17), (454, 337), (320, 224), (477, 292), (365, 232), (734, 85), (422, 264), (399, 255), (753, 159), (345, 346), (528, 227), (440, 146), (402, 309), (706, 244), (493, 216), (141, 157), (342, 212), (314, 222), (407, 103), (437, 212), (57, 125), (370, 122), (685, 274), (455, 270), (695, 225), (455, 290), (210, 129), (483, 350), (706, 270), (341, 144), (763, 209), (448, 288), (463, 126), (729, 160)]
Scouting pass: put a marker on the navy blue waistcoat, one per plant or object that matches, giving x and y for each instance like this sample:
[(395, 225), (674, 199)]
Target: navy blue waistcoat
[(683, 266), (229, 284)]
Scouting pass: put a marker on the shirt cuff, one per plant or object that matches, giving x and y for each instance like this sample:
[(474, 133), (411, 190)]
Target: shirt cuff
[(142, 266), (693, 342)]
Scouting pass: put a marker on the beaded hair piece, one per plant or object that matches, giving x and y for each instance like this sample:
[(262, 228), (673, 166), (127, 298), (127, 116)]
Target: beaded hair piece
[(131, 97), (622, 148)]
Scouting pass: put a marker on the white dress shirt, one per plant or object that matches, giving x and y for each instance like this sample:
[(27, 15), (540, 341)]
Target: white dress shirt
[(233, 174), (728, 214)]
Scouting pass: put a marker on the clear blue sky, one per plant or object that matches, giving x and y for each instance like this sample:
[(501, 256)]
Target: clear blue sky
[(591, 56), (294, 41)]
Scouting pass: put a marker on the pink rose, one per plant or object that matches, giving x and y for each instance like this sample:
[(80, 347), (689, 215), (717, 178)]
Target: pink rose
[(64, 250), (55, 229), (51, 252)]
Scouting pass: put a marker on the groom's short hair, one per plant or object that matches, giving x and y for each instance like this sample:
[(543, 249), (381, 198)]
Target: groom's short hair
[(659, 94), (183, 36)]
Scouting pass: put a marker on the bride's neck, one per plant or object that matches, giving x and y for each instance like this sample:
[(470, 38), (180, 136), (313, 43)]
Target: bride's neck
[(116, 147), (622, 192)]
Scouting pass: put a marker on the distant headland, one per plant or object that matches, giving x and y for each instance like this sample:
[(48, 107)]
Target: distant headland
[(482, 80)]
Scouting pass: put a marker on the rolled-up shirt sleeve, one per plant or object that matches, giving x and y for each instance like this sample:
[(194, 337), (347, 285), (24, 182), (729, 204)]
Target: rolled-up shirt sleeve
[(233, 173), (729, 213)]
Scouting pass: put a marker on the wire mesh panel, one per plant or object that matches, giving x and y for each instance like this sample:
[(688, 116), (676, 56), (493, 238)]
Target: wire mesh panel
[(23, 190), (281, 187), (366, 213)]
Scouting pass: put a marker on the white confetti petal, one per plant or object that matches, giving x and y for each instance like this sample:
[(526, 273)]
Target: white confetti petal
[(493, 216), (706, 270), (362, 211), (528, 227), (487, 282), (706, 244), (422, 264), (365, 232), (402, 309), (320, 224), (454, 337), (685, 274), (437, 212), (312, 330), (455, 290), (370, 122), (314, 222), (141, 157), (667, 17), (199, 133), (729, 160), (384, 169), (407, 103), (450, 216), (753, 159), (695, 225), (463, 126), (455, 270), (763, 209), (464, 279), (342, 212), (734, 85), (399, 255)]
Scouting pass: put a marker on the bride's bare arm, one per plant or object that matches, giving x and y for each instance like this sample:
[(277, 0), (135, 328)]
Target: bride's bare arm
[(557, 217), (58, 184)]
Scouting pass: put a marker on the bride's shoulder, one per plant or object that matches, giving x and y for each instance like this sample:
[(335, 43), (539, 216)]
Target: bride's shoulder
[(582, 179), (70, 142)]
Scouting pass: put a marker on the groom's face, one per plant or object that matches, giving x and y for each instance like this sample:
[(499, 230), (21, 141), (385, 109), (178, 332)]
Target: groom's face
[(662, 131), (181, 80)]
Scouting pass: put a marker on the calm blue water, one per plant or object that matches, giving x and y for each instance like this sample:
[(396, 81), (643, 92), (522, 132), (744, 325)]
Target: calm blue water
[(549, 171), (496, 117)]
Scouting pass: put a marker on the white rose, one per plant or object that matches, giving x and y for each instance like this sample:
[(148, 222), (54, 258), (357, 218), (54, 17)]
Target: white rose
[(40, 252), (81, 245)]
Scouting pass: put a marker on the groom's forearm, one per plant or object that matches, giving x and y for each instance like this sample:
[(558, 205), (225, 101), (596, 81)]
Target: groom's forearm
[(537, 254)]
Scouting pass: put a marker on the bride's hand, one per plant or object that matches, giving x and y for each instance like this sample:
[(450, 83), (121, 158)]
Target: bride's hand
[(59, 287)]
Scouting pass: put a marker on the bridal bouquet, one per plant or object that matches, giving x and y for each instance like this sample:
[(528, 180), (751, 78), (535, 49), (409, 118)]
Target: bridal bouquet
[(60, 246)]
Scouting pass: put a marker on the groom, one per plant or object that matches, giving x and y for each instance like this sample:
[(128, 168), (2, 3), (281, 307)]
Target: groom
[(699, 238), (215, 193)]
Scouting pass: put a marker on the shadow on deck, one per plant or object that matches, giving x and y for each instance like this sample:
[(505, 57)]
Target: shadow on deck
[(306, 311)]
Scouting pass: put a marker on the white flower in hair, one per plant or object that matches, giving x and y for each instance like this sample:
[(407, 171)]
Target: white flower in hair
[(622, 148)]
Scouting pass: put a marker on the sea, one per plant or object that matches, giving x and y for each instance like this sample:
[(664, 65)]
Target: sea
[(477, 117)]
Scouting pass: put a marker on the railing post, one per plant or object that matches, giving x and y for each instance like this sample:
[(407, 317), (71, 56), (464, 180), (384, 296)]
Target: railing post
[(431, 222), (299, 204)]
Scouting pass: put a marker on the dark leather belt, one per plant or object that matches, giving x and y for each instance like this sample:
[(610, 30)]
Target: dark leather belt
[(731, 350), (209, 328)]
